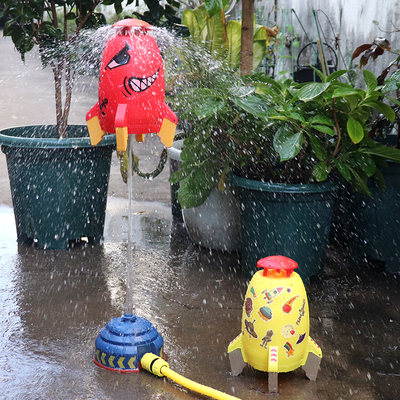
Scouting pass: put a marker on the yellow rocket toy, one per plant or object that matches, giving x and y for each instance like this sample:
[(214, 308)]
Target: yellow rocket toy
[(275, 324)]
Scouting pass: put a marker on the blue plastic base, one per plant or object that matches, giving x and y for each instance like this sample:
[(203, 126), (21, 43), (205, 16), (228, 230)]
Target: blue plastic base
[(122, 343)]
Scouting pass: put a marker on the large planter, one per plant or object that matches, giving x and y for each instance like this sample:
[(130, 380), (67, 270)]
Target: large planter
[(284, 219), (375, 226), (58, 186), (215, 224)]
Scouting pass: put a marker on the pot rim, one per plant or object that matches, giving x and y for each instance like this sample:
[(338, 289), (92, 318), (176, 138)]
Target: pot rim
[(318, 187), (174, 152), (49, 143)]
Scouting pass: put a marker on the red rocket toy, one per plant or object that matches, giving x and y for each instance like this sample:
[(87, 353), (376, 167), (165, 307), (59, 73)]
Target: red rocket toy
[(131, 89)]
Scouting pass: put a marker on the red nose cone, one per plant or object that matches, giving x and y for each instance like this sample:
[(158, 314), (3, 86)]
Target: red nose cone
[(133, 23), (277, 263)]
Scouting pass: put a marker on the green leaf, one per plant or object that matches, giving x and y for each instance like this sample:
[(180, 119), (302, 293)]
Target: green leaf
[(287, 144), (321, 171), (355, 130), (380, 150), (311, 90), (345, 90), (392, 82), (324, 129), (343, 169), (321, 120), (213, 6), (317, 147), (336, 74), (370, 80), (234, 33), (365, 163), (251, 104), (384, 109), (209, 106)]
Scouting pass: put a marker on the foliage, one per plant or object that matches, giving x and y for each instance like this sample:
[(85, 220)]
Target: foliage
[(165, 16), (389, 79), (47, 24), (207, 24), (279, 131)]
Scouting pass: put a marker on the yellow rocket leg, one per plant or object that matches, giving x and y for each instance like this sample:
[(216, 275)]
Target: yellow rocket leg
[(122, 138), (311, 366), (140, 138), (273, 369), (167, 132), (95, 132), (236, 358)]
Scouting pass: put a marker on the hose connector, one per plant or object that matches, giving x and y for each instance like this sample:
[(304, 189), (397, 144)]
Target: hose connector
[(154, 364)]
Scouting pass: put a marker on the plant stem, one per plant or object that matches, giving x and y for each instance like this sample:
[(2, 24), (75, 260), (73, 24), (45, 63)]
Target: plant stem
[(246, 54), (337, 128)]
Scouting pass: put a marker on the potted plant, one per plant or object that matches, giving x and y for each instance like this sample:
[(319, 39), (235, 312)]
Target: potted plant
[(282, 140), (214, 44), (58, 181), (372, 222)]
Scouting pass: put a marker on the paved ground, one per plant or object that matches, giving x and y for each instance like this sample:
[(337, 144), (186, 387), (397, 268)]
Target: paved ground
[(54, 303)]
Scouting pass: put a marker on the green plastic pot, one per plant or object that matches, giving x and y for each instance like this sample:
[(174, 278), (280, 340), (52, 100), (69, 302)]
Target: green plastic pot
[(58, 186), (284, 219), (375, 223)]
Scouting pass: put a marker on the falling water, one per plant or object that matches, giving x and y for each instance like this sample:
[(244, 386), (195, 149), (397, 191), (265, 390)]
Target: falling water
[(129, 263)]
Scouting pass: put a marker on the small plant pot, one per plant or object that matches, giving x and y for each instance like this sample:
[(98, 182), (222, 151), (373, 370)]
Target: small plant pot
[(214, 224), (58, 186), (284, 219)]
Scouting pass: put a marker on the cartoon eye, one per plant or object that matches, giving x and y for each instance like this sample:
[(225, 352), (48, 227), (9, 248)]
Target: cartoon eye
[(121, 58)]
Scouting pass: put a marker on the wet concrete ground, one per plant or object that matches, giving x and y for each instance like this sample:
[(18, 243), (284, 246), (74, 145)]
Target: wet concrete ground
[(54, 303)]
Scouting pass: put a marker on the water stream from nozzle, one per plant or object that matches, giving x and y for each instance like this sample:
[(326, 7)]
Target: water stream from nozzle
[(129, 261)]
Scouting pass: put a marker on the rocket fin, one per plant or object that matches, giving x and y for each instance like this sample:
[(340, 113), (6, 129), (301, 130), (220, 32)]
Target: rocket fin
[(95, 132), (167, 132), (122, 138), (236, 359), (273, 369), (314, 356), (121, 128)]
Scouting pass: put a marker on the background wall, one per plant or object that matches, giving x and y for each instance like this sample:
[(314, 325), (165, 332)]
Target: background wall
[(345, 25)]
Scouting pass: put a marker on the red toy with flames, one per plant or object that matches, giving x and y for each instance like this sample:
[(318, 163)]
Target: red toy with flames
[(131, 89)]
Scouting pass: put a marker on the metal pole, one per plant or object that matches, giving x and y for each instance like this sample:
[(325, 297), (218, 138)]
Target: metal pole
[(129, 263)]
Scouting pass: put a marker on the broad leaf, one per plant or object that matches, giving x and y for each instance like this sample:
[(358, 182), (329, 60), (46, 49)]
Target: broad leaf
[(209, 106), (311, 90), (317, 147), (336, 74), (234, 33), (251, 104), (384, 109), (377, 149), (321, 171), (343, 169), (324, 129), (287, 144), (321, 120), (345, 90), (370, 80), (355, 130), (392, 83)]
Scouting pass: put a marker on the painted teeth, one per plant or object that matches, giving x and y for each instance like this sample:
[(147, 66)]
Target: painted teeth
[(141, 84)]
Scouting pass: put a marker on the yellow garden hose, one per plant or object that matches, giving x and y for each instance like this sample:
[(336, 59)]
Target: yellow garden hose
[(160, 367)]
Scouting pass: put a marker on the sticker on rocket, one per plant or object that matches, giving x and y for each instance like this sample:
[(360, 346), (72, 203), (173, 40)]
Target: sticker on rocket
[(271, 294)]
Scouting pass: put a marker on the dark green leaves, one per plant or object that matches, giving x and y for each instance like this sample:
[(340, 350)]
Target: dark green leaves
[(287, 143), (311, 90), (355, 130)]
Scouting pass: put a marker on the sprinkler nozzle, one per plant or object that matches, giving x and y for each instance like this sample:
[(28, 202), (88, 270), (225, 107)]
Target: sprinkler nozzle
[(153, 364)]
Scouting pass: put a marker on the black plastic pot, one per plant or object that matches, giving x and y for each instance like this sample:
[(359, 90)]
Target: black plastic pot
[(284, 219), (58, 186)]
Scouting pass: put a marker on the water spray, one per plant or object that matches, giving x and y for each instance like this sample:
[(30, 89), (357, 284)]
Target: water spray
[(132, 102)]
